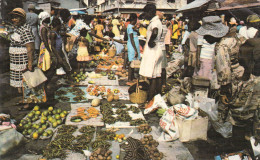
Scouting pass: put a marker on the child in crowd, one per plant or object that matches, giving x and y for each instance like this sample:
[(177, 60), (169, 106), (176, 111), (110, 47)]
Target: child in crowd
[(82, 53)]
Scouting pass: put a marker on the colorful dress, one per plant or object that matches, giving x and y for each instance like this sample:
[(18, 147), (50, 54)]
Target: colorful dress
[(82, 54), (151, 64), (44, 61), (115, 29), (18, 53), (99, 28), (131, 50)]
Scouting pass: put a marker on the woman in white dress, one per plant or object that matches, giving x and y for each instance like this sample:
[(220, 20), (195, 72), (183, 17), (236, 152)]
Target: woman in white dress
[(151, 64)]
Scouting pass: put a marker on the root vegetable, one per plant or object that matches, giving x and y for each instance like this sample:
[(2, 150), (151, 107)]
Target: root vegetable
[(109, 153), (110, 97), (116, 97), (100, 157)]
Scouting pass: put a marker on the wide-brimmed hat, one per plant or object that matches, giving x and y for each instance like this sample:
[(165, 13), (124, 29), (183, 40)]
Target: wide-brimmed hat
[(212, 26), (18, 11), (253, 18)]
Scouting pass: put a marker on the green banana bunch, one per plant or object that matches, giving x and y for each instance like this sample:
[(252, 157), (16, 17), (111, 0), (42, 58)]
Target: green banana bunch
[(160, 112)]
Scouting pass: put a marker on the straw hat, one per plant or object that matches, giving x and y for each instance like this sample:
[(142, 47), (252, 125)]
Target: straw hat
[(19, 12), (211, 25)]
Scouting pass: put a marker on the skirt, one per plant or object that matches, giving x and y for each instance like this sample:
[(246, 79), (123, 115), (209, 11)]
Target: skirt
[(18, 63)]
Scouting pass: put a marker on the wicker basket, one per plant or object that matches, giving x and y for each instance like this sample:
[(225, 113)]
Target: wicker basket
[(111, 52), (139, 96)]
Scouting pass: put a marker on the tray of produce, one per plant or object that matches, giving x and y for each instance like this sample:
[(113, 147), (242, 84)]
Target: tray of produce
[(41, 124), (84, 114), (121, 115)]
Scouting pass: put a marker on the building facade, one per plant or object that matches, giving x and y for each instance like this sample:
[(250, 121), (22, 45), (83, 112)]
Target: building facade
[(124, 7)]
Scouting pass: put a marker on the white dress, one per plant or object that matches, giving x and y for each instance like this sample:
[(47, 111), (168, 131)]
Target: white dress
[(151, 63)]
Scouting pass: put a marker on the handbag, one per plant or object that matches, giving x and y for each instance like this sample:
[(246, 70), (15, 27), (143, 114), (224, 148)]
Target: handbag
[(35, 78), (135, 64)]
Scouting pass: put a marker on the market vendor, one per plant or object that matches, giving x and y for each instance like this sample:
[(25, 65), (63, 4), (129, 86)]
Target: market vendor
[(237, 63), (21, 48), (151, 63)]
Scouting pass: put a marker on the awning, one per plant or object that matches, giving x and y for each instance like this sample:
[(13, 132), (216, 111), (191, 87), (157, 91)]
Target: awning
[(193, 5), (239, 6)]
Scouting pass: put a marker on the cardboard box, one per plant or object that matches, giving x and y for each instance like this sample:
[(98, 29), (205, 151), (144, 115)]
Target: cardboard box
[(191, 130)]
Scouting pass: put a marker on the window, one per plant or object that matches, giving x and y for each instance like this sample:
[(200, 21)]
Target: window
[(171, 1)]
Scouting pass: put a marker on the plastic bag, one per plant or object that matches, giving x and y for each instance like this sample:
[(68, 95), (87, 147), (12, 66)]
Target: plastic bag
[(169, 125), (9, 139), (155, 103), (174, 97), (209, 106), (185, 112)]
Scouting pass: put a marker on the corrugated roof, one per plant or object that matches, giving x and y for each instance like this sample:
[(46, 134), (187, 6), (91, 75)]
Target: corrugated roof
[(192, 5)]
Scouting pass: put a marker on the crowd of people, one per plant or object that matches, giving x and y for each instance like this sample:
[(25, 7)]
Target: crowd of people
[(210, 44)]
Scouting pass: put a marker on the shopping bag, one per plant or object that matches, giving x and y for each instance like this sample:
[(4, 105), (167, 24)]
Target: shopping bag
[(135, 64), (35, 78)]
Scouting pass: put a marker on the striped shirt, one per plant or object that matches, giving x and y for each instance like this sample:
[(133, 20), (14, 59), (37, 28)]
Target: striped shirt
[(207, 49)]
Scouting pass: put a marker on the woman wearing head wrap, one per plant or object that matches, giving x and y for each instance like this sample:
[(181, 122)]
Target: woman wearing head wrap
[(21, 48), (45, 52)]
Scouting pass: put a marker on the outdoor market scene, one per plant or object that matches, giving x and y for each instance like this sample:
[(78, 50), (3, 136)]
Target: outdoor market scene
[(129, 79)]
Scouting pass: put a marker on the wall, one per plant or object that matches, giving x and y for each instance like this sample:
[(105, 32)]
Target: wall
[(69, 4)]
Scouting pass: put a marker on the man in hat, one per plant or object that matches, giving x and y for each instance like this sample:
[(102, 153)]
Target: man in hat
[(32, 20), (211, 31)]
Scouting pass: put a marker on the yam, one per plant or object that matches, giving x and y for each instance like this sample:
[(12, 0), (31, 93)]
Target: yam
[(110, 97), (100, 157), (116, 97)]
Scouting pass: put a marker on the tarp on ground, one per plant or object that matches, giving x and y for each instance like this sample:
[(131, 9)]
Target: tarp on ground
[(192, 5)]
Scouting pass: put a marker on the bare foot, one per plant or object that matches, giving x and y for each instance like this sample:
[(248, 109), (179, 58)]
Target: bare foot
[(19, 90)]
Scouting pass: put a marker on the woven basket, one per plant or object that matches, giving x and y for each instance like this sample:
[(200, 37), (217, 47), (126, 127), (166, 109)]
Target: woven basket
[(139, 96)]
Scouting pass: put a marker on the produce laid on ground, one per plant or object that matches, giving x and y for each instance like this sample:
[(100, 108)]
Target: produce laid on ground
[(160, 112), (101, 154), (84, 114), (144, 128), (95, 90), (119, 112), (108, 63), (77, 77), (41, 124), (151, 147), (65, 140), (70, 94)]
